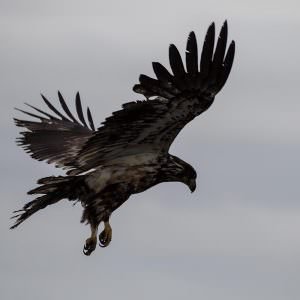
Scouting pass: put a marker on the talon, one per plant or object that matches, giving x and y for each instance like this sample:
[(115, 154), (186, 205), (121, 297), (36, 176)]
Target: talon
[(105, 236), (90, 246)]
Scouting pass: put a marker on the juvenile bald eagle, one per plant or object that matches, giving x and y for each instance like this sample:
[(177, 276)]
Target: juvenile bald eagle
[(129, 153)]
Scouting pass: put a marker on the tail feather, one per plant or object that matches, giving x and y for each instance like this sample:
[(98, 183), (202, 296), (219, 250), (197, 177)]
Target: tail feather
[(54, 190), (32, 207)]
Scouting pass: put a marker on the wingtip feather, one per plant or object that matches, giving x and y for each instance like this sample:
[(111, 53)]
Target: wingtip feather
[(79, 109), (192, 54)]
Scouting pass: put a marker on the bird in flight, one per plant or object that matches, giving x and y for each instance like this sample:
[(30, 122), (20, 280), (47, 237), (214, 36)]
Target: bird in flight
[(129, 152)]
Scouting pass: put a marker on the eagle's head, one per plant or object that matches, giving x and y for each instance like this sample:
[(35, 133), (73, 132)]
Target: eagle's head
[(189, 177), (179, 170)]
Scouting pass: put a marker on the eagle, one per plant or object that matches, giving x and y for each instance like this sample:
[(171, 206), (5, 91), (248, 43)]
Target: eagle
[(129, 152)]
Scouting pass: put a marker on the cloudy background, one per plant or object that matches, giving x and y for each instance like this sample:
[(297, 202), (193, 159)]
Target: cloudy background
[(237, 237)]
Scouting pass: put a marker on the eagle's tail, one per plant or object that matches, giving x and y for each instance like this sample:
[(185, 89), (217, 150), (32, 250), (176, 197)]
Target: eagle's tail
[(53, 189)]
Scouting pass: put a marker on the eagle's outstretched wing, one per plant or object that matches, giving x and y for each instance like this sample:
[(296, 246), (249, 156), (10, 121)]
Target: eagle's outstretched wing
[(150, 126), (55, 138)]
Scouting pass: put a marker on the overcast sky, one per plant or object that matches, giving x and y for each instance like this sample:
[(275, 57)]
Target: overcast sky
[(237, 237)]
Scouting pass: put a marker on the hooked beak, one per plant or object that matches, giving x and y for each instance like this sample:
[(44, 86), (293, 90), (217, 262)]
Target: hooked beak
[(192, 185)]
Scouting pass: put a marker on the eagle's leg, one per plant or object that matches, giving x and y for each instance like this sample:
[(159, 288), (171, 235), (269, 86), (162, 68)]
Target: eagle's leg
[(91, 242), (106, 235)]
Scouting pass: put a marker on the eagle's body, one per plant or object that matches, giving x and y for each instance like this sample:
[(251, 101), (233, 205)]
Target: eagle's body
[(129, 153), (138, 171)]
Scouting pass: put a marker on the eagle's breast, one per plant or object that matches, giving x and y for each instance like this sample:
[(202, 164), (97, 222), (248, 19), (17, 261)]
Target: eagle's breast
[(137, 171)]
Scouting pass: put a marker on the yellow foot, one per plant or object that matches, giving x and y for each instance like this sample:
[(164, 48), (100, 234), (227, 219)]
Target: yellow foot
[(90, 245), (105, 236)]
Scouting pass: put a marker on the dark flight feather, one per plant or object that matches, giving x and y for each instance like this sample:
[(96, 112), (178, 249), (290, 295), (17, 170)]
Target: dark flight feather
[(207, 51), (42, 112), (227, 65), (53, 108), (28, 113), (192, 55), (220, 49), (79, 110), (161, 72), (65, 107), (176, 62), (90, 118)]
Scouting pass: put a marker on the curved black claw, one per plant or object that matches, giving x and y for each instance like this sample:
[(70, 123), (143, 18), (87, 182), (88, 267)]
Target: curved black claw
[(105, 238), (90, 246)]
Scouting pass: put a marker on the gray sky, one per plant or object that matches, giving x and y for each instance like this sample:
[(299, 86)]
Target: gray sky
[(237, 236)]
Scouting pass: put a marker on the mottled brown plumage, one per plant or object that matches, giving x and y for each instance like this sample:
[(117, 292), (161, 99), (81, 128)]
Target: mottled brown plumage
[(129, 153)]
